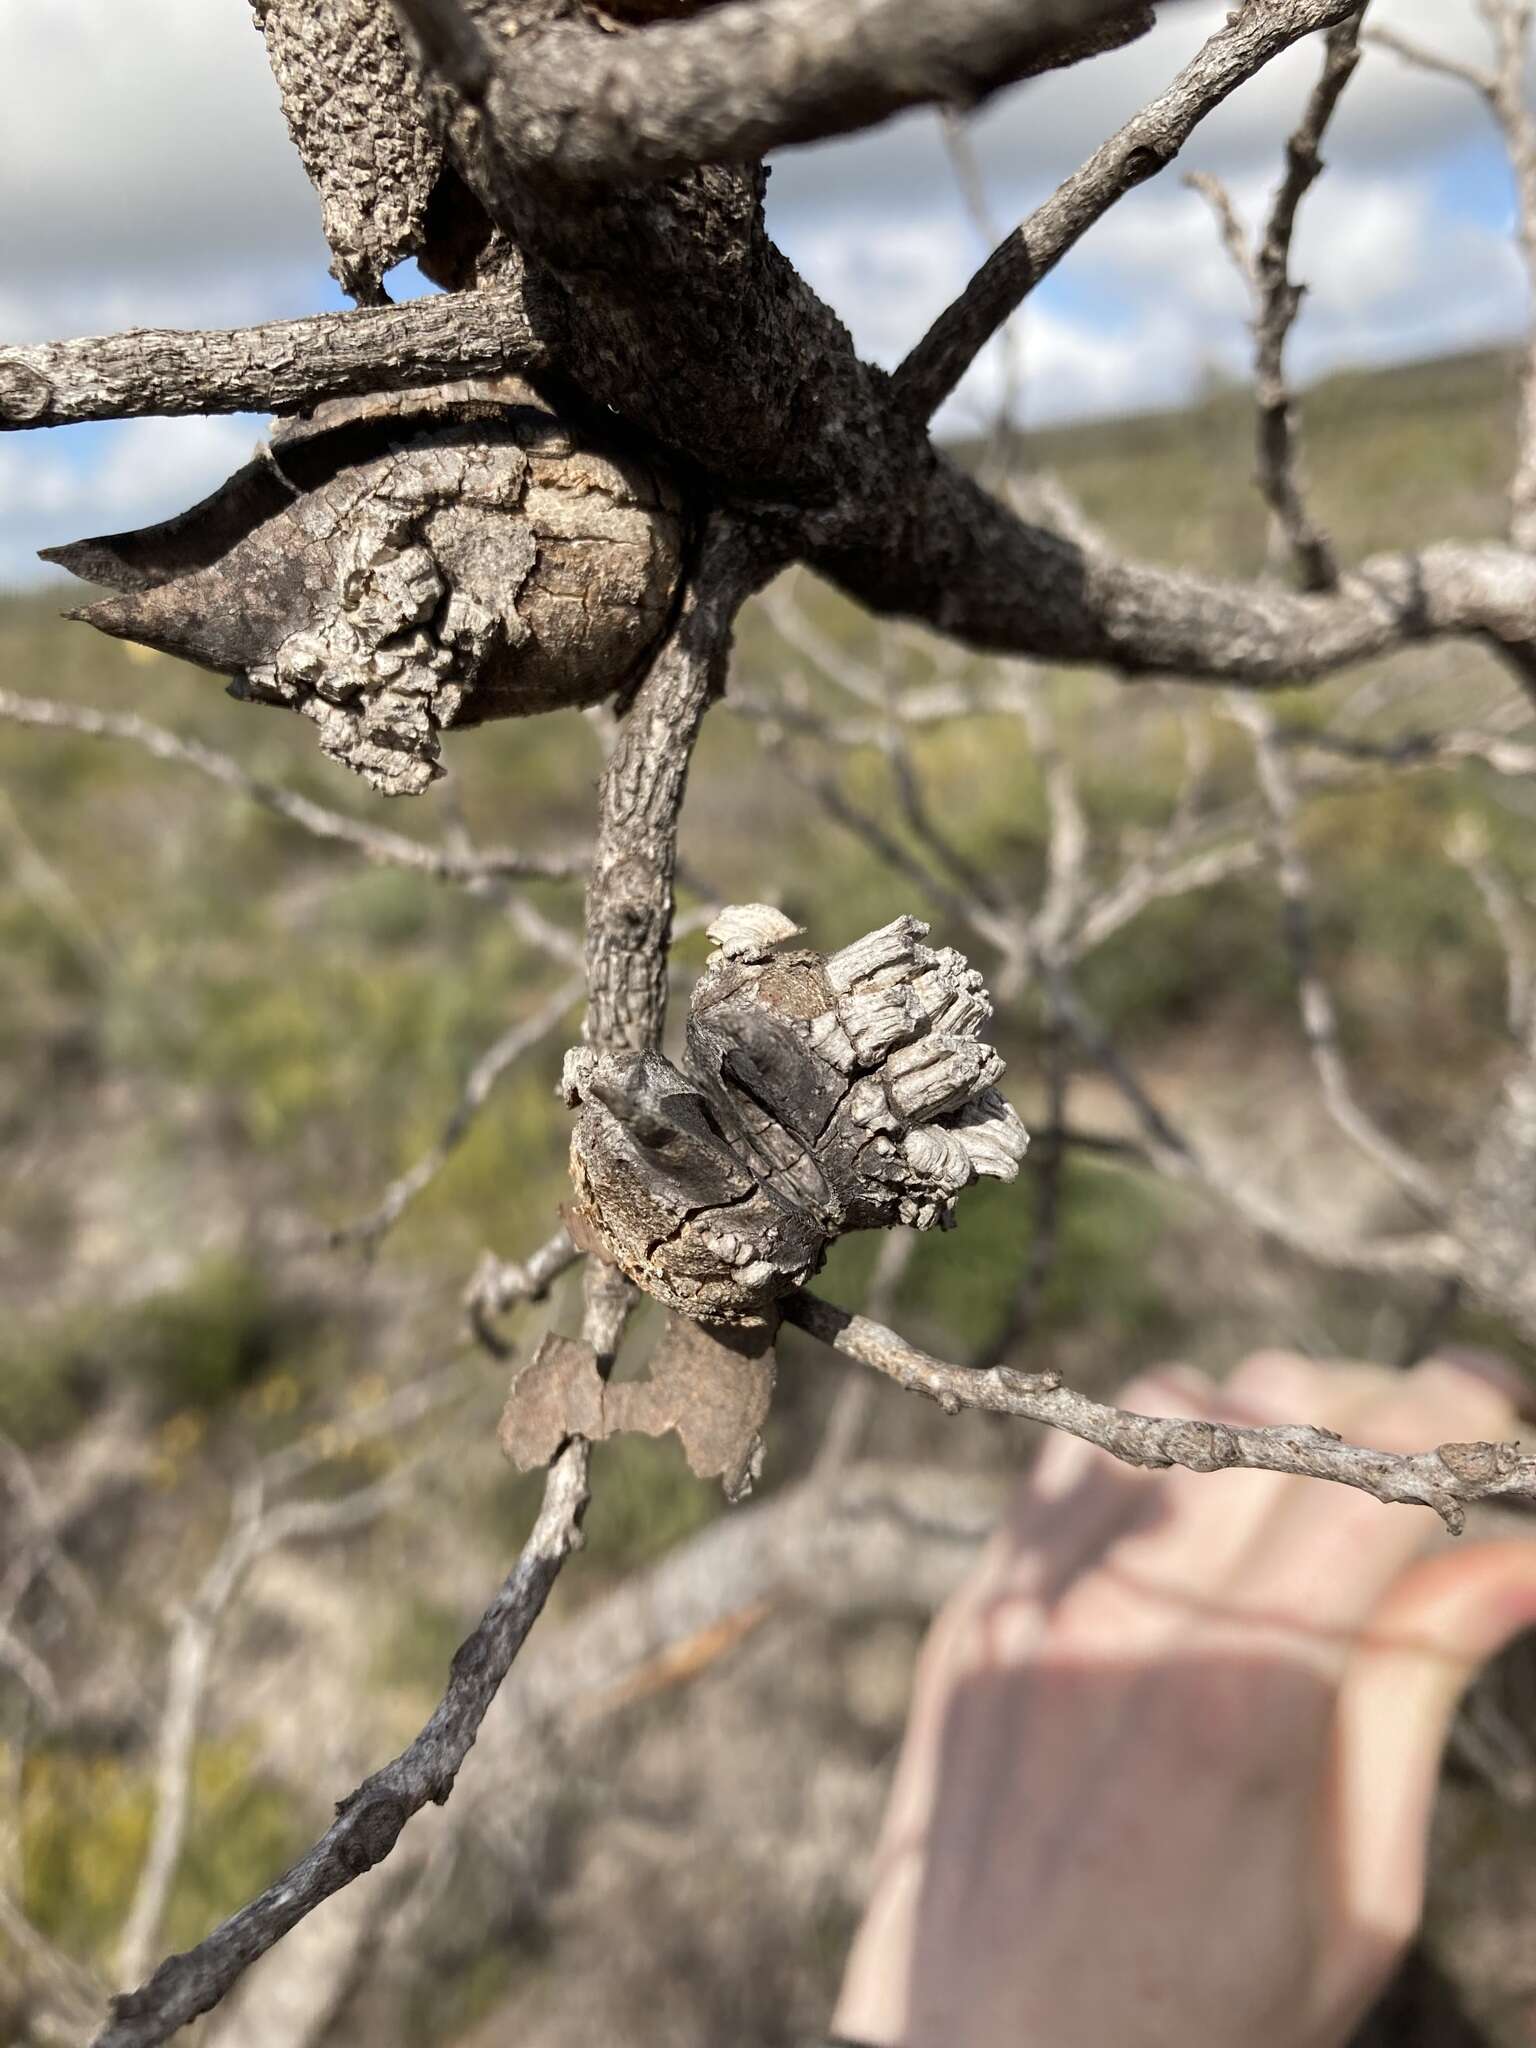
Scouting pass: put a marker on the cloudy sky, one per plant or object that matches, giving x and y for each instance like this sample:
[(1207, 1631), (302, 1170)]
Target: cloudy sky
[(146, 179)]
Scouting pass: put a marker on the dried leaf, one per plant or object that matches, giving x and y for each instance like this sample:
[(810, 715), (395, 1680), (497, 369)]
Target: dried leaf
[(712, 1387)]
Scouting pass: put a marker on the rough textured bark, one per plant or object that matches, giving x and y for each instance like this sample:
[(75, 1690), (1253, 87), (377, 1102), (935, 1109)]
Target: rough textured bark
[(358, 119), (630, 890), (960, 561), (570, 104), (285, 366), (591, 196)]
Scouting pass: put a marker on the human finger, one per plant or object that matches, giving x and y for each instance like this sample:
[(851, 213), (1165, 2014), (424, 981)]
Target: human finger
[(1440, 1621), (1166, 1575), (1320, 1565)]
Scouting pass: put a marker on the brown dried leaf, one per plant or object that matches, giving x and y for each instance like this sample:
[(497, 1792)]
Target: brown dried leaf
[(712, 1387)]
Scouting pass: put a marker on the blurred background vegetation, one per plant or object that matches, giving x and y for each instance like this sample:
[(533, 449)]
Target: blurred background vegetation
[(221, 1039)]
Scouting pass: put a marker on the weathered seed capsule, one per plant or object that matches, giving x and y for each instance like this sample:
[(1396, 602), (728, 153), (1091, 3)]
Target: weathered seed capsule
[(820, 1095), (395, 566)]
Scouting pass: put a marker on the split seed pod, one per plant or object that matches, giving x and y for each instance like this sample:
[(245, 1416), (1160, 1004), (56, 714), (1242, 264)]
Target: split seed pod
[(396, 565), (821, 1094)]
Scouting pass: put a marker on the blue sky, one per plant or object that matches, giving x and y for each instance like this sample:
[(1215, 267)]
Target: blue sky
[(146, 178)]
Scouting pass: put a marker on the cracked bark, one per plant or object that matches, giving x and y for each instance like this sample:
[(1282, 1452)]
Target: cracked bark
[(394, 566)]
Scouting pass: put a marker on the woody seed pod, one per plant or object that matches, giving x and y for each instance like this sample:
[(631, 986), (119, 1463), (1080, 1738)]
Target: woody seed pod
[(398, 565), (821, 1094)]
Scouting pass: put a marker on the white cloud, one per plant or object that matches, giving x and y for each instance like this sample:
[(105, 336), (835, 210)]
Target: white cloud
[(143, 154), (143, 470), (1029, 139), (1155, 303)]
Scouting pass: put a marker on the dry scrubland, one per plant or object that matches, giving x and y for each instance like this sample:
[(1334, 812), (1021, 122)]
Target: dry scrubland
[(220, 1040)]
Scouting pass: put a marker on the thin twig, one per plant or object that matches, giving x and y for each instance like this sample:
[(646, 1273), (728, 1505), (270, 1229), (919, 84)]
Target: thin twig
[(1277, 301), (497, 1284), (1412, 51), (1049, 1159), (369, 1821), (391, 849), (493, 1064), (254, 1532), (1253, 34), (1420, 749), (854, 1402), (1448, 1479), (1319, 1017), (1502, 88), (1467, 845)]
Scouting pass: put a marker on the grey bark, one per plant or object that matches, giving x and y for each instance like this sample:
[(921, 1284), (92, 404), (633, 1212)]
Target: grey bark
[(819, 1094), (396, 566), (634, 867), (1149, 141), (568, 103), (284, 366), (1448, 1479), (360, 123)]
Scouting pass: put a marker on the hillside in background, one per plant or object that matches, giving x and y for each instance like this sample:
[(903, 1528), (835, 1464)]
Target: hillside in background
[(221, 1040)]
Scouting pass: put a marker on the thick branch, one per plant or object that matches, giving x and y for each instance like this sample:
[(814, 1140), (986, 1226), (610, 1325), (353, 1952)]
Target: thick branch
[(956, 558), (1448, 1479), (572, 103), (1252, 35), (285, 366)]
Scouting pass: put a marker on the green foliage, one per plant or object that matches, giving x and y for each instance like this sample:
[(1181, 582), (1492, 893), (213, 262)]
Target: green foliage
[(960, 1282), (644, 1500), (311, 1019), (192, 1345), (85, 1821), (201, 1342)]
